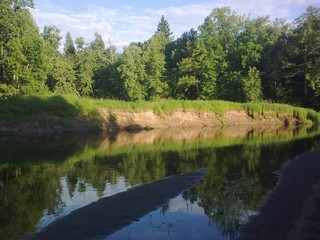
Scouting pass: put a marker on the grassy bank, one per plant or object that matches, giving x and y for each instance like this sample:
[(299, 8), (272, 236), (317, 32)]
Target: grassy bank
[(55, 108)]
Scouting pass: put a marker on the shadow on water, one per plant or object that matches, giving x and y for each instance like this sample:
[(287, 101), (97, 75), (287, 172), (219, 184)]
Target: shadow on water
[(43, 179)]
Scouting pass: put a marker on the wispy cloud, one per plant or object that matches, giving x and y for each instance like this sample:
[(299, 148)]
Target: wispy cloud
[(127, 24)]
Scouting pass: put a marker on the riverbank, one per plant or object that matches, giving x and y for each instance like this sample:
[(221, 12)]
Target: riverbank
[(66, 114), (292, 210)]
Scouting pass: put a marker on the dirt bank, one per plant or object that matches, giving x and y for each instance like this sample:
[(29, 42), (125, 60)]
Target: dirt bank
[(185, 119), (292, 210), (117, 120)]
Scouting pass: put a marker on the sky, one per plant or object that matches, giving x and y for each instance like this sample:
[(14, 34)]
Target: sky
[(126, 21)]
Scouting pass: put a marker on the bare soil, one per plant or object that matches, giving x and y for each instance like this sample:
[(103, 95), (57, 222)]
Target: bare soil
[(117, 120), (185, 119)]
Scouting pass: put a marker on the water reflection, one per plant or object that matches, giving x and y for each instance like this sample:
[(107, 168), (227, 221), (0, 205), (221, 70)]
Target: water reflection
[(179, 219), (46, 178)]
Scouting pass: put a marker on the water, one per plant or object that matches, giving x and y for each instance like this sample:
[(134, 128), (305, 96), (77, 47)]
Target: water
[(43, 179)]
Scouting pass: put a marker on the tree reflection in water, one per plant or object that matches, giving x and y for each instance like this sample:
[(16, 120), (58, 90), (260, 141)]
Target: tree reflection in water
[(240, 171)]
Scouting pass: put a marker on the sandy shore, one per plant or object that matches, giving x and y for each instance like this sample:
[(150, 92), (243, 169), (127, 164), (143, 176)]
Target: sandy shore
[(104, 217), (292, 210)]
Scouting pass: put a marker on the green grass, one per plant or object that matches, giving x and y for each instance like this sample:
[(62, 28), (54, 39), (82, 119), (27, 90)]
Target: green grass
[(55, 107)]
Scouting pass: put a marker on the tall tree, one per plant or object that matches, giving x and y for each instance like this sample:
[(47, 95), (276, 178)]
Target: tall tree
[(22, 63), (308, 50), (98, 43), (176, 51), (80, 44), (219, 34), (187, 83), (164, 27), (154, 58), (84, 64), (274, 64), (62, 78), (132, 72), (69, 49)]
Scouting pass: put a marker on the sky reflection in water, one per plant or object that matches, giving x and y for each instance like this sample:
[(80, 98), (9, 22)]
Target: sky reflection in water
[(180, 219), (40, 184)]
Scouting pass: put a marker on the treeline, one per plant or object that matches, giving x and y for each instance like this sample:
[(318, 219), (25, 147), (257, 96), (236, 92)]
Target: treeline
[(229, 57)]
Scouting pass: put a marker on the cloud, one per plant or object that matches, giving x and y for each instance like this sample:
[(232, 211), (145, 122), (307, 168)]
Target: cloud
[(126, 24)]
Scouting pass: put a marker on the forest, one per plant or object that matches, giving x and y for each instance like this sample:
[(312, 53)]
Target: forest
[(228, 57)]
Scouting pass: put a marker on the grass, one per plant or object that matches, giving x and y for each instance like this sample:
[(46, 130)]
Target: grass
[(55, 107)]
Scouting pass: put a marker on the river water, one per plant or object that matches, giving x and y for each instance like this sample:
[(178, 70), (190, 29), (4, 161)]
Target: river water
[(45, 178)]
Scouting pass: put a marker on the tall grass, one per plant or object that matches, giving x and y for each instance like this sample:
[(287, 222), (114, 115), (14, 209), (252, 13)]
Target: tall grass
[(31, 108)]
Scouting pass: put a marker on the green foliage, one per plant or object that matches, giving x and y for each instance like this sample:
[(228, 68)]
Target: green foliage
[(231, 57), (164, 28), (142, 70), (51, 34), (35, 108), (69, 49), (34, 179), (61, 78), (154, 59), (84, 72), (133, 74), (307, 36), (252, 86), (22, 65)]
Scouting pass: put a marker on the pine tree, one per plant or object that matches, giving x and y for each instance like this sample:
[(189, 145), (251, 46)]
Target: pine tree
[(164, 27), (69, 49)]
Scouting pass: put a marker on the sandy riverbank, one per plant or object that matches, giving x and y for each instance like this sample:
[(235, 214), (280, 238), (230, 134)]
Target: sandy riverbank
[(292, 210)]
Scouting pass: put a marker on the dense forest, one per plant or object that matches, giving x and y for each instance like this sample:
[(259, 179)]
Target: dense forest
[(229, 57)]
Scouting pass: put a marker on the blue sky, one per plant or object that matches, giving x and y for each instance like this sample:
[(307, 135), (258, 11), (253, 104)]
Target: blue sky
[(129, 21)]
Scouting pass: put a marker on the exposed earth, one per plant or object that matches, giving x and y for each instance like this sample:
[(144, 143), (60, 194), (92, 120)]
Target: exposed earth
[(116, 120)]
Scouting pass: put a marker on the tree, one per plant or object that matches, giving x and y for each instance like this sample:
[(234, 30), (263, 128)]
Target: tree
[(98, 43), (252, 86), (62, 78), (164, 27), (227, 25), (219, 34), (275, 62), (189, 72), (307, 35), (175, 52), (154, 58), (51, 34), (69, 49), (80, 44), (84, 64), (22, 65), (132, 72)]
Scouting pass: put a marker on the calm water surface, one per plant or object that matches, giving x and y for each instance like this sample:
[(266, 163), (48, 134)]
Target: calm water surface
[(43, 179)]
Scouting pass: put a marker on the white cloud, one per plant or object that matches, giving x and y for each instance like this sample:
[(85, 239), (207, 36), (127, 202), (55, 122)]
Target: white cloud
[(124, 25)]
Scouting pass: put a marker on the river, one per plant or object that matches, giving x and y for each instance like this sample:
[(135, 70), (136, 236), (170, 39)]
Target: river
[(43, 179)]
